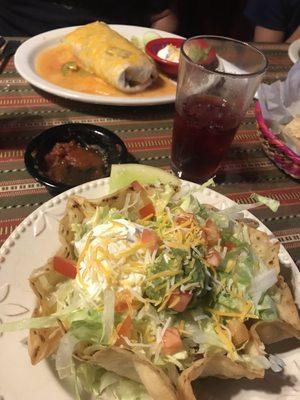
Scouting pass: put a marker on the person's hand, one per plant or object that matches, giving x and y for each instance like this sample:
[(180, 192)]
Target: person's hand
[(165, 21)]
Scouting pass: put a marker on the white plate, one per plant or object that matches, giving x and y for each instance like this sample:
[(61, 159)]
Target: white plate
[(30, 245), (25, 64), (294, 51)]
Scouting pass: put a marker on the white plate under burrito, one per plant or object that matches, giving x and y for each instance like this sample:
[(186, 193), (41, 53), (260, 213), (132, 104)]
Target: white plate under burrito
[(25, 64)]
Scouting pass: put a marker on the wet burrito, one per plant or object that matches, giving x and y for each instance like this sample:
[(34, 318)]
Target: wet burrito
[(111, 57)]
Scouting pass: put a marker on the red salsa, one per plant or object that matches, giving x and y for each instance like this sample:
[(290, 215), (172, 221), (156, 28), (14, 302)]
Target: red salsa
[(72, 164)]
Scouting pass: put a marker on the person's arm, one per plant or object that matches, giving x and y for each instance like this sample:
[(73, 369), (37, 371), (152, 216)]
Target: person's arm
[(294, 36), (262, 34), (268, 18), (166, 21)]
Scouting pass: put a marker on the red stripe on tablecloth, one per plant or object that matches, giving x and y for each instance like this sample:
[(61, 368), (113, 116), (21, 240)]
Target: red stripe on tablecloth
[(8, 232), (17, 182), (9, 222), (20, 187), (133, 144), (7, 227), (24, 192), (144, 139), (288, 232), (19, 101), (289, 238), (12, 80), (292, 245), (148, 143), (11, 155), (10, 65), (242, 134), (247, 163), (245, 137)]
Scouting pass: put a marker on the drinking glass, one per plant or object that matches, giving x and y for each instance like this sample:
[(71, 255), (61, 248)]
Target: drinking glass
[(217, 80)]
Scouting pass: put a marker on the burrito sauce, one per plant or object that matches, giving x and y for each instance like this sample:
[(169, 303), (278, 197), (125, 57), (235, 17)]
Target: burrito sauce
[(50, 62)]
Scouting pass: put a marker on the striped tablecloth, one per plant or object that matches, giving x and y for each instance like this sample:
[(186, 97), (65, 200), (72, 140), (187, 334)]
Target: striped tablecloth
[(26, 111)]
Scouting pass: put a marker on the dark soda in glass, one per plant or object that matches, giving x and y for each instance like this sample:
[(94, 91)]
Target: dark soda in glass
[(204, 128)]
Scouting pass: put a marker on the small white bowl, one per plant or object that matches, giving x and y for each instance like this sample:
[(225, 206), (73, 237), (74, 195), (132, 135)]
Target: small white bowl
[(294, 51)]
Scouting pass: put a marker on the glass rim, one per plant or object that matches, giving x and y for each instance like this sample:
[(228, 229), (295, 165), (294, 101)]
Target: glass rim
[(224, 38)]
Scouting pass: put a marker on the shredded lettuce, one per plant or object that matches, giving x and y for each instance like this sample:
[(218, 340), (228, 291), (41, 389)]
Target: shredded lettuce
[(125, 389), (207, 337), (210, 182), (189, 203), (64, 363), (138, 42), (267, 308), (44, 322), (276, 363), (261, 283), (106, 385), (271, 203), (160, 197), (148, 36), (235, 211), (88, 330), (141, 41), (89, 378), (108, 315), (40, 322)]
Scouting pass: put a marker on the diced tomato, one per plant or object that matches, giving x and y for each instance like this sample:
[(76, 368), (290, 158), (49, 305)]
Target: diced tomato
[(229, 244), (179, 301), (213, 258), (137, 186), (147, 210), (123, 301), (171, 341), (150, 238), (65, 267), (124, 329), (212, 233), (148, 207), (185, 219)]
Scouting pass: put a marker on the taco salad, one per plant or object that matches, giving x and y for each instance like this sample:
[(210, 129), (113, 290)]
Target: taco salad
[(151, 290)]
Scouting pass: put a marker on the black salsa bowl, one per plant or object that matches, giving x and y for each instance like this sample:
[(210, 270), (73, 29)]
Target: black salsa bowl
[(111, 147)]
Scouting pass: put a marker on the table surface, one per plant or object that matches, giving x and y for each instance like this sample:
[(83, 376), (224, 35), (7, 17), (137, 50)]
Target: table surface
[(146, 131)]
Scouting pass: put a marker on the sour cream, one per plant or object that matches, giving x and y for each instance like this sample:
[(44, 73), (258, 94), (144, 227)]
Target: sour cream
[(169, 53), (107, 257)]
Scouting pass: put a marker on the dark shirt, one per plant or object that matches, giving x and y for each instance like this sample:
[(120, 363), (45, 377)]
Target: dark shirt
[(30, 17), (279, 15)]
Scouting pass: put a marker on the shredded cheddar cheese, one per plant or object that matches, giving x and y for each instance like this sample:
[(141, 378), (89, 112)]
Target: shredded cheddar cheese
[(223, 336)]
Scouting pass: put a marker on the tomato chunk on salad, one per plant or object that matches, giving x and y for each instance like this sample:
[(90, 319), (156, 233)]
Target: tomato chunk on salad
[(65, 267), (150, 238), (124, 330), (179, 301), (171, 341)]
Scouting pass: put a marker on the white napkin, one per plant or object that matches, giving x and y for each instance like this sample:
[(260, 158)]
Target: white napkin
[(280, 104)]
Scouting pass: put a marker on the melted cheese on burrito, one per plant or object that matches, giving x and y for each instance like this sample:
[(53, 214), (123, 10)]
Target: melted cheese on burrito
[(111, 57)]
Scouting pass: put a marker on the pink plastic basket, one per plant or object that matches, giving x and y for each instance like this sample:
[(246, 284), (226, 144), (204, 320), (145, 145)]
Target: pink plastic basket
[(276, 150)]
